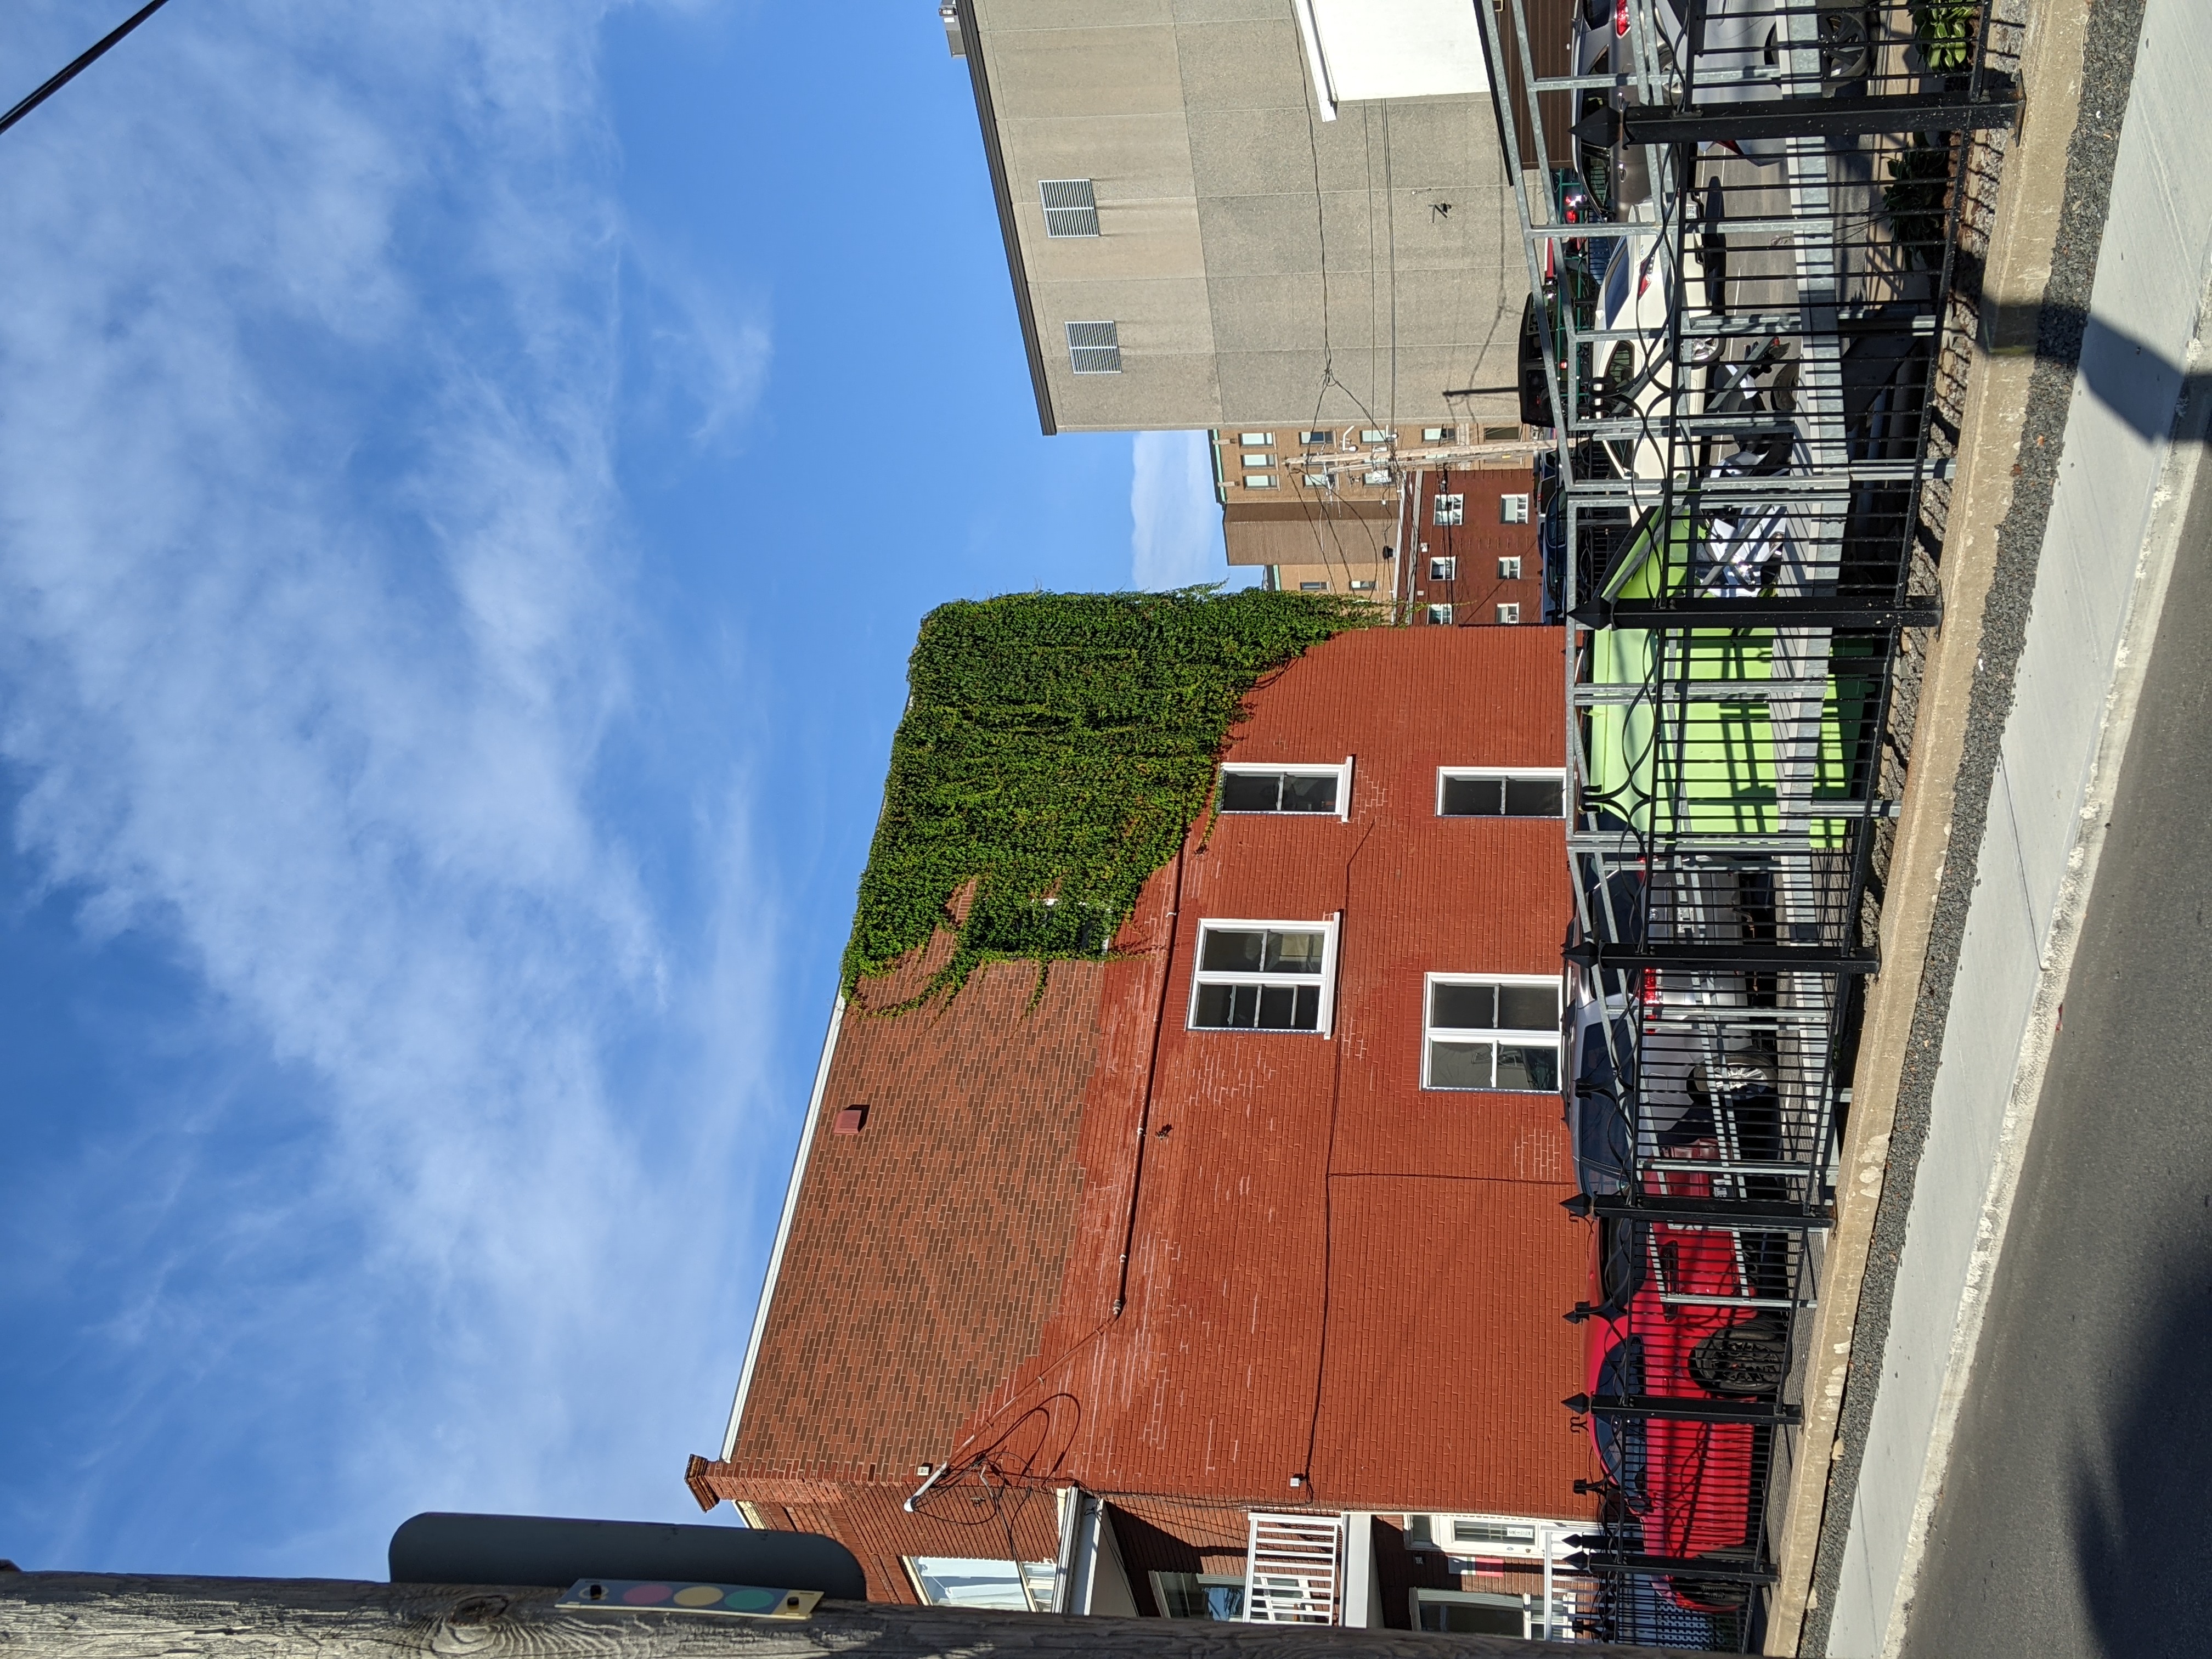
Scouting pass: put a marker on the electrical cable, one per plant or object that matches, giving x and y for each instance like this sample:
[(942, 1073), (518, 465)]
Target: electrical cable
[(77, 65)]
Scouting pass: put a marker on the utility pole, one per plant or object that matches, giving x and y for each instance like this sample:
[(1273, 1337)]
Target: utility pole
[(99, 1613)]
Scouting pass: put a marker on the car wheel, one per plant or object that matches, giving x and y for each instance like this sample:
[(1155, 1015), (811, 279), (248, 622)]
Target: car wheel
[(1847, 50), (1715, 1595), (1747, 1360)]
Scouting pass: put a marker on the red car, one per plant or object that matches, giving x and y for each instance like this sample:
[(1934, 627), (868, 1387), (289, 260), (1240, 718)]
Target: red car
[(1668, 1317)]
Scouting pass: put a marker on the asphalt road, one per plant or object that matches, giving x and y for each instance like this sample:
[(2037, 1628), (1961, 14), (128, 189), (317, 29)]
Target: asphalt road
[(2073, 1520)]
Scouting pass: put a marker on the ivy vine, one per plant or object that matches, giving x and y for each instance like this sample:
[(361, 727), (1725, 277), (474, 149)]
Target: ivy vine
[(1056, 749)]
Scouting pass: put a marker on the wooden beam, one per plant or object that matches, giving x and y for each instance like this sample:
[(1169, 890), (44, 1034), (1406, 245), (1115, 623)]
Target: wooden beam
[(112, 1616)]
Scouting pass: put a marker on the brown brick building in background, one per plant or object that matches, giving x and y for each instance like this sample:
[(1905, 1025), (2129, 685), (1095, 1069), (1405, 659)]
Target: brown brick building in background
[(1223, 1276)]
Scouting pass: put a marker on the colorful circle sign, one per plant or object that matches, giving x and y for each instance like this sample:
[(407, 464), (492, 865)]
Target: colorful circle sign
[(646, 1595), (698, 1595), (751, 1600)]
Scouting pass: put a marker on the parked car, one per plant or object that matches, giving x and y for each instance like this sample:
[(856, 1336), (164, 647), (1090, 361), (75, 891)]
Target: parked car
[(1658, 1325)]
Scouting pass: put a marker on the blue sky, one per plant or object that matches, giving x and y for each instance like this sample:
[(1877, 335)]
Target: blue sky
[(470, 472)]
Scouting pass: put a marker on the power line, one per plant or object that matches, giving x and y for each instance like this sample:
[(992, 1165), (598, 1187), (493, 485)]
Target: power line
[(77, 65)]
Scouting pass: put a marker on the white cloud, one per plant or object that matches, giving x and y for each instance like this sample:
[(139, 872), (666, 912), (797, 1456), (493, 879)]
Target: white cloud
[(315, 625), (1177, 537)]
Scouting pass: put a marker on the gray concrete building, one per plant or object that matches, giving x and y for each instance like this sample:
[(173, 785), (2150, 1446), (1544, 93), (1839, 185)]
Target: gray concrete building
[(1249, 212)]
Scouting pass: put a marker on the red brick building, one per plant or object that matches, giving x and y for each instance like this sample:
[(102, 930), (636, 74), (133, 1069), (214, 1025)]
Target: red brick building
[(1227, 1273)]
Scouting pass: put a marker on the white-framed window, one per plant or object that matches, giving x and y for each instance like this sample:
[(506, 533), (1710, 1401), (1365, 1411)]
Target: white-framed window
[(1314, 440), (1094, 347), (1491, 792), (1374, 435), (1363, 587), (1509, 570), (1316, 481), (1313, 587), (959, 1581), (1071, 208), (1199, 1595), (1264, 976), (1509, 613), (1256, 440), (1311, 789), (1440, 616), (1491, 1032), (1513, 510), (1474, 1612), (1259, 481), (1435, 435), (1450, 509), (1258, 457), (1375, 475), (1445, 569)]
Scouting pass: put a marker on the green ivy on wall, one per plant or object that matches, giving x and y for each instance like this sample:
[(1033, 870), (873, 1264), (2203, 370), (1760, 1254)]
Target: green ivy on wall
[(1055, 751)]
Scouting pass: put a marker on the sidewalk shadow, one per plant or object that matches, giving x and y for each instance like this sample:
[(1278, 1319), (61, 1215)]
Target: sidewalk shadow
[(2140, 385)]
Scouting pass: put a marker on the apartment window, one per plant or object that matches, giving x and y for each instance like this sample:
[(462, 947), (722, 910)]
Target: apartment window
[(1255, 439), (1070, 208), (1199, 1595), (1288, 788), (1500, 434), (1315, 480), (1445, 569), (1259, 458), (1313, 587), (1312, 439), (1435, 435), (1363, 587), (1509, 570), (1508, 614), (1374, 435), (1450, 509), (954, 1581), (1440, 616), (1513, 510), (1259, 481), (1472, 1613), (1498, 1031), (1094, 347), (1379, 475), (1466, 792), (1263, 977)]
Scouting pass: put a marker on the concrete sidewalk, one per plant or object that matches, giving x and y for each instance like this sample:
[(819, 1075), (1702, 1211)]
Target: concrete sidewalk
[(2037, 768)]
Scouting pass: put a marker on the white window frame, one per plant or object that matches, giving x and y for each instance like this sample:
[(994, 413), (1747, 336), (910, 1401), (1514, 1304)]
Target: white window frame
[(1255, 440), (1437, 434), (1030, 1582), (1342, 770), (1256, 458), (1440, 616), (1509, 568), (1526, 1039), (1443, 567), (1363, 587), (1447, 509), (1319, 481), (1312, 440), (1199, 977), (1508, 614), (1549, 774), (1377, 475), (1376, 434), (1514, 509), (1259, 481)]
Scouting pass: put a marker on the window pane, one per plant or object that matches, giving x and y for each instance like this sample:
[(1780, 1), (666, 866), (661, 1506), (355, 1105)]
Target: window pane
[(1308, 1017), (1250, 792), (1524, 1065), (1473, 798), (1212, 1007), (1528, 1008), (1459, 1065), (1293, 953), (1232, 950), (1532, 797), (1309, 793), (1279, 1007), (1464, 1007)]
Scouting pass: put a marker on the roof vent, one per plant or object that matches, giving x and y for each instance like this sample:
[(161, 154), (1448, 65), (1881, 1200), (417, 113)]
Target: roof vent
[(850, 1121)]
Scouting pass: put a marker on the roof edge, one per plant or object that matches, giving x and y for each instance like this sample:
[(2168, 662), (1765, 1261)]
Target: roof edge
[(783, 1228), (971, 40)]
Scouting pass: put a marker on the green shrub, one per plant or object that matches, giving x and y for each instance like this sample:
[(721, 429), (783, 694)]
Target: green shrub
[(1055, 751), (1913, 199), (1944, 32)]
